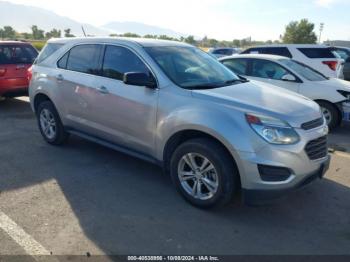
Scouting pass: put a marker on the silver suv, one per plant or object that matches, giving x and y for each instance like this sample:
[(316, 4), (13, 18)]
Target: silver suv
[(172, 104)]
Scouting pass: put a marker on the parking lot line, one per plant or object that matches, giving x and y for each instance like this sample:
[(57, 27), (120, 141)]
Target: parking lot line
[(29, 244)]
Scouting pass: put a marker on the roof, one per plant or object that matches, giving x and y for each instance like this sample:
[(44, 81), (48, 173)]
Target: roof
[(14, 43), (145, 42), (257, 56), (293, 45)]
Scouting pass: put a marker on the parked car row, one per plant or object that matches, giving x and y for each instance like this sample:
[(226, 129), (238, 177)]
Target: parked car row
[(169, 103), (314, 71), (15, 60)]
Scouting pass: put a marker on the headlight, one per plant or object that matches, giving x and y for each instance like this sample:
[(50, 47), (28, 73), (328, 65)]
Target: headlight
[(346, 94), (273, 130)]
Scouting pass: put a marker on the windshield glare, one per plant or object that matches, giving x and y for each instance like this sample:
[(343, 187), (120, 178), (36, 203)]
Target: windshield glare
[(303, 70), (191, 68)]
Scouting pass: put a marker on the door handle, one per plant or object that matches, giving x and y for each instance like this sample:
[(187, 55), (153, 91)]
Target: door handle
[(103, 90), (59, 77)]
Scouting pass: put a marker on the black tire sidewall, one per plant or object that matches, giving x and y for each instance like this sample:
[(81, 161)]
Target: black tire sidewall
[(334, 112), (219, 158), (60, 133)]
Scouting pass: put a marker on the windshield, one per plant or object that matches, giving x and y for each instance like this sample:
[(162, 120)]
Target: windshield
[(191, 68), (303, 70)]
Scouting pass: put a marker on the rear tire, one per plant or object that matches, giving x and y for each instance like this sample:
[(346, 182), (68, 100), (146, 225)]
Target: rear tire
[(50, 124), (204, 173), (331, 113)]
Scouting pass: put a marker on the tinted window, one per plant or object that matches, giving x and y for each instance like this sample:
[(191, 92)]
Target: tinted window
[(238, 66), (267, 69), (317, 52), (223, 52), (120, 60), (251, 51), (303, 70), (17, 54), (85, 59), (191, 68), (48, 50), (281, 51), (62, 63)]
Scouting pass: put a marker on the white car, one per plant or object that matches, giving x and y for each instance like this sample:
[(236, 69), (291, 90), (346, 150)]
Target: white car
[(333, 95), (319, 57)]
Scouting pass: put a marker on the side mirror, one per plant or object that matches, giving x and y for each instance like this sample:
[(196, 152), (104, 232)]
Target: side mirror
[(139, 79), (288, 78)]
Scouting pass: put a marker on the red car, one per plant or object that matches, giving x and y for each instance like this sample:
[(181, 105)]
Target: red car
[(15, 60)]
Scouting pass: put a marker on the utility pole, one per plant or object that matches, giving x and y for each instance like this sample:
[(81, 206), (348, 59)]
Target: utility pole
[(321, 30)]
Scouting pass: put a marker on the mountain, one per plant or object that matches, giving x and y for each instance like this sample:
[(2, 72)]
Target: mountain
[(22, 17), (140, 29)]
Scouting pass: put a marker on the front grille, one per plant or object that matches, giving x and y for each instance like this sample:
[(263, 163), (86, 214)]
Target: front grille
[(317, 148), (313, 124)]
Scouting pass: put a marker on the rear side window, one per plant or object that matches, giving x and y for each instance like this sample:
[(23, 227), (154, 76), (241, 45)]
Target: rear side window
[(84, 59), (317, 52), (17, 54), (238, 66), (281, 51), (119, 60), (267, 69), (48, 50)]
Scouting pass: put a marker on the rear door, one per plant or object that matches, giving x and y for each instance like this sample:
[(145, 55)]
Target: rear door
[(76, 78), (14, 63), (322, 59)]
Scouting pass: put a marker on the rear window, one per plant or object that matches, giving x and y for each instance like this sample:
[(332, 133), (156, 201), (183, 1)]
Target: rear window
[(317, 52), (17, 54), (84, 59), (281, 51), (48, 50)]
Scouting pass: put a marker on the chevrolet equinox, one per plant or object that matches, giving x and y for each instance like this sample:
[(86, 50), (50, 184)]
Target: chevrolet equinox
[(170, 103)]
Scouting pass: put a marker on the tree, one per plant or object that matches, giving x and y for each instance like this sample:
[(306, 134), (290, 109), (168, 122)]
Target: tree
[(131, 35), (54, 33), (150, 36), (190, 40), (8, 32), (37, 33), (301, 32), (67, 33)]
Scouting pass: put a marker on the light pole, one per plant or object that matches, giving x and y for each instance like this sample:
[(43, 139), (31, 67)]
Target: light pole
[(321, 30)]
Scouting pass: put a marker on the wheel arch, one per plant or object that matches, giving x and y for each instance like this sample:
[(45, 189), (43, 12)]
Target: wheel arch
[(182, 136)]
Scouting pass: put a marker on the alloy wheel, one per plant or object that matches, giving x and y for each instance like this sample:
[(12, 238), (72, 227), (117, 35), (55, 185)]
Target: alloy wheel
[(48, 124), (198, 176)]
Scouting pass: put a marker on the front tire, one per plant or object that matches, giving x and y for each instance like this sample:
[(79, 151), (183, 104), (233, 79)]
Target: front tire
[(331, 114), (50, 125), (204, 173)]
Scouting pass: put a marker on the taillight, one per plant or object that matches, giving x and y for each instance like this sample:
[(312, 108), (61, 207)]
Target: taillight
[(2, 71), (29, 73), (331, 64)]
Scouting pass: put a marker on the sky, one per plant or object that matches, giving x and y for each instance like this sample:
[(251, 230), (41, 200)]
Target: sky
[(220, 19)]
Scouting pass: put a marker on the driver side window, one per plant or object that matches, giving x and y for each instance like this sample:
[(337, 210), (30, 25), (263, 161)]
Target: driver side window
[(267, 69), (120, 60)]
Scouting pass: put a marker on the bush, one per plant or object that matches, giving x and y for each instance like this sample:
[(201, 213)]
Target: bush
[(38, 45)]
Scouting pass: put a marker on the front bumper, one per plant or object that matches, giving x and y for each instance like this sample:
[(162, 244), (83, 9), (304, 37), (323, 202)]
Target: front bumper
[(294, 158), (259, 196)]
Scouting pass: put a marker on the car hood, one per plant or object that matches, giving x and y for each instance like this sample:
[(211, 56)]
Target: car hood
[(258, 97)]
